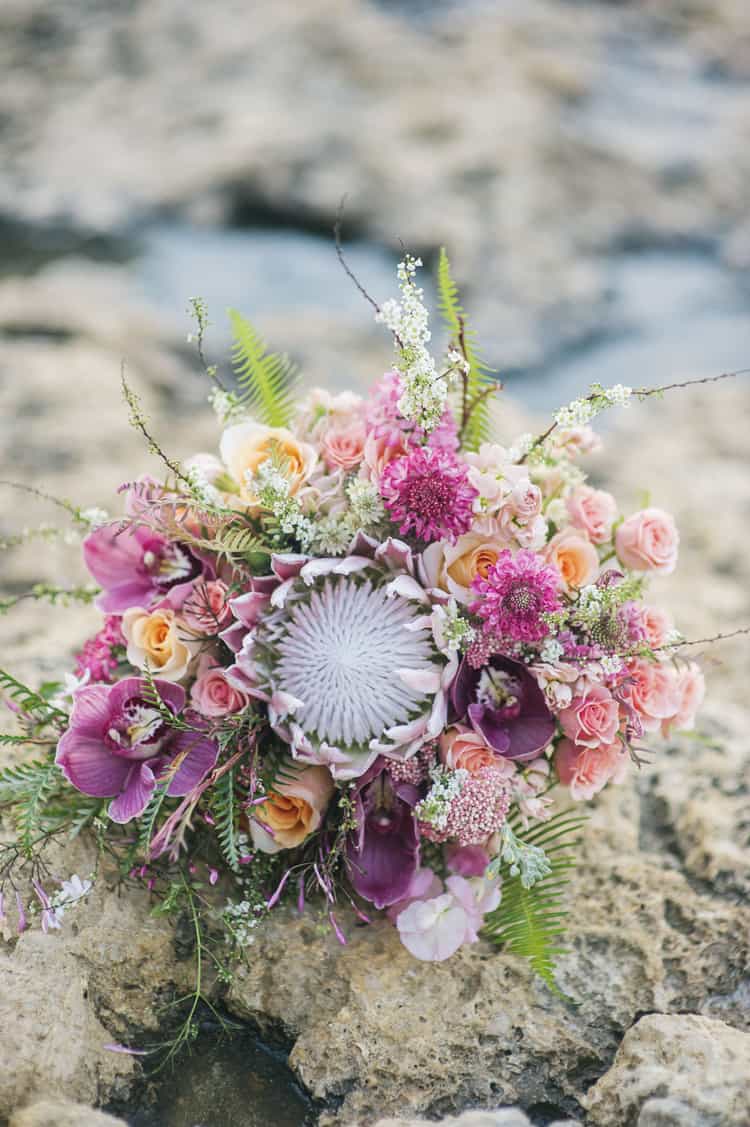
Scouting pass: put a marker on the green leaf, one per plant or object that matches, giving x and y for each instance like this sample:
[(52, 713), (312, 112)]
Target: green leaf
[(477, 428), (225, 809), (531, 921), (147, 820), (267, 380), (28, 699)]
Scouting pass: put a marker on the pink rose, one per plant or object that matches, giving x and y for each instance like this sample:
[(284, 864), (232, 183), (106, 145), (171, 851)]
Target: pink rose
[(465, 750), (206, 610), (574, 556), (577, 440), (592, 719), (587, 770), (593, 511), (648, 541), (690, 687), (212, 694), (657, 624), (652, 690), (526, 500), (379, 451), (342, 445)]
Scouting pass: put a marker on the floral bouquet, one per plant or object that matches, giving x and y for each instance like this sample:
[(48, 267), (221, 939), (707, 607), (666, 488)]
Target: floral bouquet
[(356, 655)]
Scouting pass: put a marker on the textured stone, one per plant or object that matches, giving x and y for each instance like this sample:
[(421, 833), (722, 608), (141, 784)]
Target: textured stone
[(57, 1113), (675, 1071)]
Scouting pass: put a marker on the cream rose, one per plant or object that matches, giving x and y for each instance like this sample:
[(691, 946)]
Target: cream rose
[(574, 556), (292, 810), (155, 641), (245, 446)]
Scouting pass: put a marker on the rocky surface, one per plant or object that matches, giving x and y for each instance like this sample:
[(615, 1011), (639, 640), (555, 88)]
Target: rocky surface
[(61, 1113), (654, 1081), (488, 128), (531, 179)]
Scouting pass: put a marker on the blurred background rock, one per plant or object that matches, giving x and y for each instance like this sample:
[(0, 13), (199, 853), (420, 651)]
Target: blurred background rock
[(587, 165)]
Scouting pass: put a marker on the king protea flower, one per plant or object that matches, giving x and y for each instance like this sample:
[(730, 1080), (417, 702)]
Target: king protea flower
[(344, 652)]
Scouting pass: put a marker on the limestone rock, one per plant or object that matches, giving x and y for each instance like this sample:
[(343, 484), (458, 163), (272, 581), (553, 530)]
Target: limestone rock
[(58, 1113), (675, 1071)]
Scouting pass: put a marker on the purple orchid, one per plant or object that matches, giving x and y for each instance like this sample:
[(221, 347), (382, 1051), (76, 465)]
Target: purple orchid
[(505, 706), (118, 744), (383, 852), (139, 568)]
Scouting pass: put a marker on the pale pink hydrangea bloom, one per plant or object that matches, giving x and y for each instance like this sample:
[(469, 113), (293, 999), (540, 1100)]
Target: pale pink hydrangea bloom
[(432, 930)]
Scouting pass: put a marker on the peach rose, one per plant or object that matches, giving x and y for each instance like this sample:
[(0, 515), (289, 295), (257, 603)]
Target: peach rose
[(690, 686), (343, 445), (379, 451), (212, 694), (593, 511), (154, 641), (206, 610), (587, 770), (246, 445), (652, 690), (462, 749), (591, 720), (292, 811), (574, 556), (648, 541), (657, 624)]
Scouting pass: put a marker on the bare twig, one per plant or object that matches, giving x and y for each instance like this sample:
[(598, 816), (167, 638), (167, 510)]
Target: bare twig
[(347, 268)]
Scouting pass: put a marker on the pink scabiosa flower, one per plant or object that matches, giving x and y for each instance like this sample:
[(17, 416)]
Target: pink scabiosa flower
[(427, 493), (98, 658), (518, 590)]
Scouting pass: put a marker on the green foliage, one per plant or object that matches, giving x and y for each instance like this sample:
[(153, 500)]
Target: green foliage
[(225, 810), (267, 380), (147, 820), (530, 921), (475, 421), (28, 700), (26, 788)]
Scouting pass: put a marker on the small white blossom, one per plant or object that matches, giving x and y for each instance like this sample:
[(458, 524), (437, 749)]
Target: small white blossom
[(551, 651), (435, 806), (93, 517)]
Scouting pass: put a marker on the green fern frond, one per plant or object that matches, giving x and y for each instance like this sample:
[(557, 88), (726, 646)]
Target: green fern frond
[(28, 699), (226, 811), (147, 820), (26, 788), (531, 921), (475, 429), (267, 380)]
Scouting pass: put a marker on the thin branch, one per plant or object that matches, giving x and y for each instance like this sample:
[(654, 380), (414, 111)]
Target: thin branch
[(347, 268), (639, 393), (138, 421)]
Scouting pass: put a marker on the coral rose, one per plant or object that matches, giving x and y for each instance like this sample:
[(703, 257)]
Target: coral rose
[(648, 541), (463, 749), (593, 511), (691, 688), (588, 770), (292, 810), (154, 642), (574, 556), (591, 720), (246, 445), (651, 688)]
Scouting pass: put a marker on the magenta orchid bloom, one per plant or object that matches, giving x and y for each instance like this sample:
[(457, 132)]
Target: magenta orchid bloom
[(383, 852), (504, 705), (136, 567), (118, 745)]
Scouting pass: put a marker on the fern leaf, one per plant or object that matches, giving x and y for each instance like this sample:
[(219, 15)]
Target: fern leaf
[(28, 699), (27, 788), (147, 820), (475, 429), (531, 921), (267, 380), (225, 809)]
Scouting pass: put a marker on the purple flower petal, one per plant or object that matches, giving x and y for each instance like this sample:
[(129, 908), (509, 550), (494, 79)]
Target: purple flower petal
[(200, 756), (90, 766), (134, 798)]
